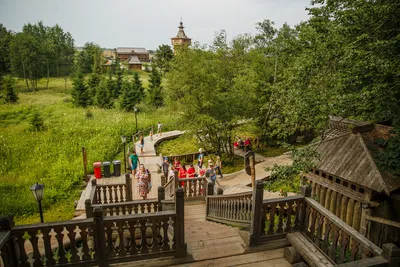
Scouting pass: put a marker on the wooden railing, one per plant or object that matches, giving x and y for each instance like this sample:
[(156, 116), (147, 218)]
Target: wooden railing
[(230, 209), (7, 251), (334, 237), (112, 193), (185, 158), (97, 241), (280, 216), (193, 188), (127, 208)]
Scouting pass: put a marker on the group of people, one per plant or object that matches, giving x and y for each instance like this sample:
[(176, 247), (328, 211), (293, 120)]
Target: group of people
[(190, 172), (141, 137), (245, 145)]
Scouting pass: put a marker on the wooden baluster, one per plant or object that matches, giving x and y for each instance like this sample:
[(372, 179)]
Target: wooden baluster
[(47, 246), (196, 189), (354, 247), (74, 250), (296, 223), (104, 198), (85, 247), (280, 210), (322, 196), (36, 254), (357, 216), (271, 219), (115, 198), (328, 199), (343, 207), (165, 238), (344, 244), (317, 192), (289, 225), (335, 239), (338, 204), (22, 253), (350, 212), (61, 251), (313, 219), (191, 183), (328, 232), (320, 222)]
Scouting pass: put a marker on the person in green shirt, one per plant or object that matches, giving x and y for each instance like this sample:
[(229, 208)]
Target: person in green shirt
[(133, 161)]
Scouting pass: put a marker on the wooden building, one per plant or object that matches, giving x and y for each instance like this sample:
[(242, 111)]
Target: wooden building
[(124, 53), (134, 63), (180, 39), (348, 182)]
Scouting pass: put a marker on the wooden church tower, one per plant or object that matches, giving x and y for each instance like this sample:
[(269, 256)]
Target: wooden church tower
[(180, 40)]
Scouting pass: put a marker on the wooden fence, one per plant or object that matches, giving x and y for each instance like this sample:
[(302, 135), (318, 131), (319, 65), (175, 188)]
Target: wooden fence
[(96, 241)]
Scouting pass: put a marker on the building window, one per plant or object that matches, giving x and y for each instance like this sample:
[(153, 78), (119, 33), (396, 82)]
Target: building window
[(324, 175), (353, 187), (361, 190), (345, 184), (337, 181)]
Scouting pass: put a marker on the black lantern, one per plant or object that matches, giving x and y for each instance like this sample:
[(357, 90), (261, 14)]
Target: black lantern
[(123, 139), (38, 192)]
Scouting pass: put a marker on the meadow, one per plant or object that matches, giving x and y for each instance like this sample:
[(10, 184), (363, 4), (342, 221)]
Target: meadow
[(53, 156)]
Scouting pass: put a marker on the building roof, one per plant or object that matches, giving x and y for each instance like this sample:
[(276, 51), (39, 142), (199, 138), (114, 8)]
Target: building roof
[(347, 155), (128, 50), (134, 60), (181, 33)]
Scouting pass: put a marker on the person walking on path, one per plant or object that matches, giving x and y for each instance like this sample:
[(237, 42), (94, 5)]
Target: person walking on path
[(159, 130), (165, 167), (144, 180), (151, 134), (200, 160), (141, 140), (211, 173), (218, 166), (133, 162)]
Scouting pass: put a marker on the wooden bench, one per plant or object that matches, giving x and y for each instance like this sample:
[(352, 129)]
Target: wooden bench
[(307, 250)]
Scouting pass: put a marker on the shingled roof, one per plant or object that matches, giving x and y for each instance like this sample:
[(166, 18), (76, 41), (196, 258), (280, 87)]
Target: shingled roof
[(134, 60), (128, 50), (346, 155)]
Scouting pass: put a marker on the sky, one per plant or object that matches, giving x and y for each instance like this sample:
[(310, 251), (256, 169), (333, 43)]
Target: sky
[(150, 23)]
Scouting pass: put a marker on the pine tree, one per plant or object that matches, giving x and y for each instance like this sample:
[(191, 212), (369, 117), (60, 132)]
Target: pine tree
[(155, 89), (93, 82), (80, 93), (139, 90), (11, 96), (118, 83), (128, 97), (103, 96)]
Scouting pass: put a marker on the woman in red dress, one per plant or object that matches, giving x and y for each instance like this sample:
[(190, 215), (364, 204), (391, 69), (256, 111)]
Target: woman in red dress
[(191, 171), (182, 174)]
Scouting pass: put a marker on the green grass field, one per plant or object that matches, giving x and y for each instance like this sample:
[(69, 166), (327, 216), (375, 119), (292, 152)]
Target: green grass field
[(53, 157)]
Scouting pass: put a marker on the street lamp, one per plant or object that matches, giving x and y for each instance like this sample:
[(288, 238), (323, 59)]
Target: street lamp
[(123, 139), (135, 109), (37, 191)]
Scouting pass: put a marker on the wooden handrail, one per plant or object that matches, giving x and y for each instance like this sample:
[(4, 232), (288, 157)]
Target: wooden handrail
[(232, 195), (285, 199), (160, 214), (382, 220), (345, 227)]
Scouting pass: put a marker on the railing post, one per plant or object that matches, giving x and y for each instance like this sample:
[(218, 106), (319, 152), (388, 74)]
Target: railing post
[(306, 192), (181, 247), (220, 191), (128, 184), (10, 257), (88, 208), (210, 189), (94, 193), (392, 253), (255, 231), (176, 179), (161, 196), (100, 239)]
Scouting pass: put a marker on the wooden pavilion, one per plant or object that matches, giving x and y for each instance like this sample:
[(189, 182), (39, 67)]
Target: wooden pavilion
[(348, 182)]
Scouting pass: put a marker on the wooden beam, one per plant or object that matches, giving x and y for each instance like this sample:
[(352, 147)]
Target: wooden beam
[(382, 220)]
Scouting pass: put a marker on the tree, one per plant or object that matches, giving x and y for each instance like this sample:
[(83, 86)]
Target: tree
[(103, 96), (10, 95), (87, 57), (5, 41), (139, 90), (164, 55), (155, 89), (80, 93)]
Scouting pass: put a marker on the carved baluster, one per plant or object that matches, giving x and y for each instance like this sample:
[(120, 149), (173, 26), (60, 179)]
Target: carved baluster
[(320, 222), (165, 238), (85, 247), (123, 193), (335, 239), (313, 219), (280, 210), (317, 192), (357, 216), (343, 207), (327, 203), (322, 196), (36, 254), (344, 244), (72, 237), (290, 209), (272, 219), (296, 223), (61, 251), (47, 246), (354, 250), (196, 189), (104, 196), (350, 212), (143, 228), (328, 232)]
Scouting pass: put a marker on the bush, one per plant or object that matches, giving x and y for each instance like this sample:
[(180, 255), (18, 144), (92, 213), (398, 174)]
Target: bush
[(36, 123)]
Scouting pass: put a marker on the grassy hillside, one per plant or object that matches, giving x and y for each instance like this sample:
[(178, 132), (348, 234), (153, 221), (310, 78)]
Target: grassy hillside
[(53, 156)]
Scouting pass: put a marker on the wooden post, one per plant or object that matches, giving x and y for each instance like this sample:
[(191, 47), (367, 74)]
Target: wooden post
[(255, 231), (364, 222), (392, 253), (128, 187), (343, 207), (181, 247), (100, 239), (328, 199), (176, 179), (88, 208), (9, 257), (84, 158), (306, 192), (161, 196), (357, 216), (350, 212), (338, 203), (253, 170), (317, 192), (210, 189), (322, 196)]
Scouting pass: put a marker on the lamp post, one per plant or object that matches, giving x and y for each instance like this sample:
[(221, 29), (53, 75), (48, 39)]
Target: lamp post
[(38, 191), (123, 139), (136, 110)]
